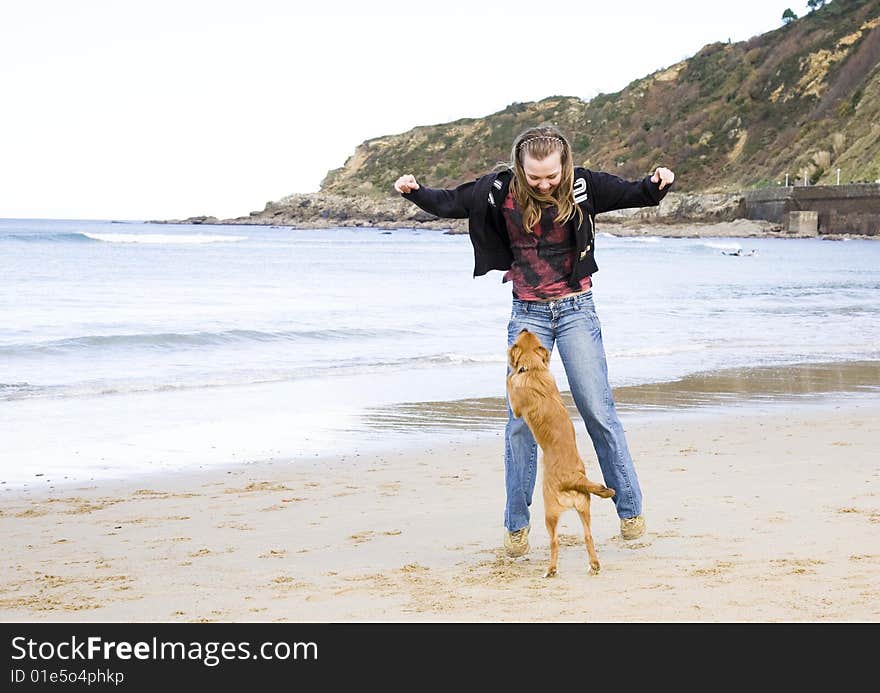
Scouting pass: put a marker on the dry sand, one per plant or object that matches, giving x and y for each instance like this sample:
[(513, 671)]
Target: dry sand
[(754, 514)]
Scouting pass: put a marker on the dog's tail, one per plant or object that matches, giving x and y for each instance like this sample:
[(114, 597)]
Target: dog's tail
[(584, 485)]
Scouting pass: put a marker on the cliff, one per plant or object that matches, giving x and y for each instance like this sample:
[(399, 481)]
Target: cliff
[(799, 104)]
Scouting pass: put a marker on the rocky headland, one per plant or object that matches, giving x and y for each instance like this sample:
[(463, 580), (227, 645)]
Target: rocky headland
[(738, 123), (679, 215)]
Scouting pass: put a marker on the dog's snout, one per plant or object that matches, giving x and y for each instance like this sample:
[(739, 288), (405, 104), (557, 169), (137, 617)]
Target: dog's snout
[(523, 330)]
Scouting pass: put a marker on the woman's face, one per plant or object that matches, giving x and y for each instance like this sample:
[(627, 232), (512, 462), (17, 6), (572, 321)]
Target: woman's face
[(543, 175)]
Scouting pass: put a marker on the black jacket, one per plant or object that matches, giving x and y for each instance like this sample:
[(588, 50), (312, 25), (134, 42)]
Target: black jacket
[(480, 203)]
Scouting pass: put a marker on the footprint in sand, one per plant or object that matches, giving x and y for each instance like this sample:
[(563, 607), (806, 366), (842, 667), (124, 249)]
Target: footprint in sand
[(258, 486), (173, 539), (288, 582), (272, 553), (452, 479), (361, 537), (797, 566), (644, 542), (720, 568)]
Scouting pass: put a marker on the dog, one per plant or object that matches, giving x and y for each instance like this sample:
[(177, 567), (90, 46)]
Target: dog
[(534, 396)]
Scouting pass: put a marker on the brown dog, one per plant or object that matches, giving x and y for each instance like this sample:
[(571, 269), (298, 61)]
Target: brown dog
[(533, 395)]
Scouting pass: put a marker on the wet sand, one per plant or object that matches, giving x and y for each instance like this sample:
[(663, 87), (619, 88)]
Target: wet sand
[(757, 511), (734, 386)]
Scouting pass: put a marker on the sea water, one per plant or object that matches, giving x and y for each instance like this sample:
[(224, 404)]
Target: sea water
[(132, 347)]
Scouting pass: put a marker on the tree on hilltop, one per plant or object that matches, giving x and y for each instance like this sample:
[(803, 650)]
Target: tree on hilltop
[(788, 16)]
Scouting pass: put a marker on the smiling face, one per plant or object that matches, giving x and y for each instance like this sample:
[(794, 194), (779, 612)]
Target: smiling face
[(543, 175)]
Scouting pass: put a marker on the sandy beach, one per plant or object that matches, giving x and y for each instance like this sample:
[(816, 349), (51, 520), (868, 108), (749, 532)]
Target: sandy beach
[(765, 512)]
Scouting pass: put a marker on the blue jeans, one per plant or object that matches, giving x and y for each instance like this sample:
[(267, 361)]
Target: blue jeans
[(571, 323)]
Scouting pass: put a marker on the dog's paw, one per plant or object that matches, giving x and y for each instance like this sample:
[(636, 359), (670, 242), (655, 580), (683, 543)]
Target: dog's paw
[(550, 572), (594, 568)]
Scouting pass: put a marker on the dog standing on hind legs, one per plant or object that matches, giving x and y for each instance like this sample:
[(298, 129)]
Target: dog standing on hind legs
[(534, 396)]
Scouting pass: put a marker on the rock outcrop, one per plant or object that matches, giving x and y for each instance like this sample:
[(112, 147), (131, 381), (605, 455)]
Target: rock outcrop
[(327, 210), (798, 103)]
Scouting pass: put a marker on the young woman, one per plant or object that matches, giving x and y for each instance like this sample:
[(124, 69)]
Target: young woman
[(534, 219)]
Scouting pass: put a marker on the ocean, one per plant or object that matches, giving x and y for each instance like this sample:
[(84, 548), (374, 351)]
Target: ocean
[(134, 348)]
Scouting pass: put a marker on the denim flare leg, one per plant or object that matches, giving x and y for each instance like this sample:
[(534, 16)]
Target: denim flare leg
[(572, 324)]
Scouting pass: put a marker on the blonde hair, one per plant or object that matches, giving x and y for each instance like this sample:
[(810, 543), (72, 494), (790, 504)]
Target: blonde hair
[(539, 142)]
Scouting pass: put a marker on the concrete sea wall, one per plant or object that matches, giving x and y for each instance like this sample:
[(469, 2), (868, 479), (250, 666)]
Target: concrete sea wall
[(840, 209)]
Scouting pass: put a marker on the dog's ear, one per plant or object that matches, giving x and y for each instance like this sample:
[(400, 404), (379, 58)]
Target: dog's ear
[(513, 355), (544, 354)]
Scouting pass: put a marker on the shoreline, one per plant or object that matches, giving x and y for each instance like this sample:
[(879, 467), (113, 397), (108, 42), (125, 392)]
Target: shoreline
[(280, 429), (758, 513), (736, 228), (700, 391)]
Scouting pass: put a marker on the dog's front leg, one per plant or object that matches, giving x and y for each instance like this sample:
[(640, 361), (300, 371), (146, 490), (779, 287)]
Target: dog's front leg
[(515, 402)]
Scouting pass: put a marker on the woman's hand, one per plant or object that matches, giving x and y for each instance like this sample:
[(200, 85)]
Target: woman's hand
[(663, 176), (406, 183)]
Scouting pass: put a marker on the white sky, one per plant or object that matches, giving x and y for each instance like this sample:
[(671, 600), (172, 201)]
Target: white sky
[(116, 109)]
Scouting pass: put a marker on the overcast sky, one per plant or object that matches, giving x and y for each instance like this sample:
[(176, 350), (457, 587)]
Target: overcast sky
[(169, 109)]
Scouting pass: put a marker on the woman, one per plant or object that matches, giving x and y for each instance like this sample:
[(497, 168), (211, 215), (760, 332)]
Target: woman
[(535, 220)]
